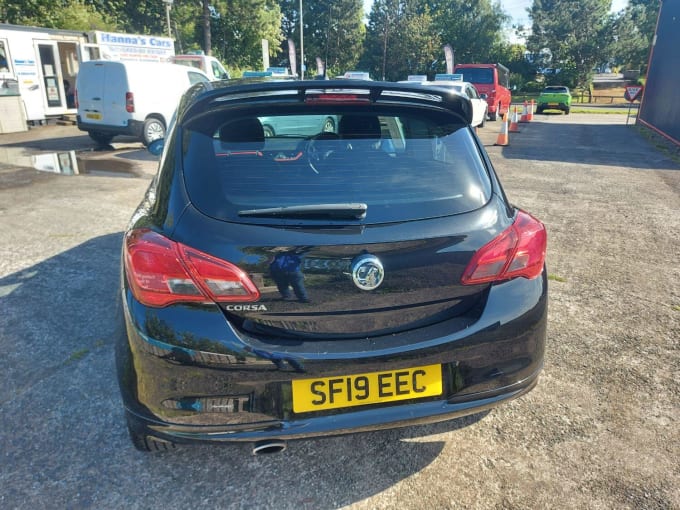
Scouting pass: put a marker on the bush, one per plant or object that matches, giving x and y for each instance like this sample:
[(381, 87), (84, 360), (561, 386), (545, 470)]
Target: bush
[(533, 86)]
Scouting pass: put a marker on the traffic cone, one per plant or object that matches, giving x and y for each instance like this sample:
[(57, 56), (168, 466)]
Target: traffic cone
[(525, 114), (502, 138), (530, 116), (514, 126)]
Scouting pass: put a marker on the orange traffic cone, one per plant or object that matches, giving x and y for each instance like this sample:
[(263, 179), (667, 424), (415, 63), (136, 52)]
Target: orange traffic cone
[(514, 126), (525, 114), (530, 116), (502, 138)]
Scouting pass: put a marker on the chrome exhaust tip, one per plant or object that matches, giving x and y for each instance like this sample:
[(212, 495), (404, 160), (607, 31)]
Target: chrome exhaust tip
[(267, 447)]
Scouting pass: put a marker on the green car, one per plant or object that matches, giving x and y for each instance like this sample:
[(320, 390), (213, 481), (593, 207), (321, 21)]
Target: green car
[(554, 98)]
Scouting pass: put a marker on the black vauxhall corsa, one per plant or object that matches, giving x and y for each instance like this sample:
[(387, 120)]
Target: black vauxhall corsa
[(285, 287)]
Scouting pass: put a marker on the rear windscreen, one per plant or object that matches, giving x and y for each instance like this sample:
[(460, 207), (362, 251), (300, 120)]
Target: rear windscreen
[(476, 74), (394, 167)]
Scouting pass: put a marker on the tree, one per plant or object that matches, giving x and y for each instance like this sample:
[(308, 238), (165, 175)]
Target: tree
[(473, 28), (576, 32), (238, 27), (633, 30), (401, 39), (333, 31), (70, 14)]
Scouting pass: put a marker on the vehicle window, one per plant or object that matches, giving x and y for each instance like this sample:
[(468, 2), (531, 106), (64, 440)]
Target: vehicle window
[(196, 78), (218, 71), (402, 167), (476, 74), (4, 60), (188, 62), (471, 92)]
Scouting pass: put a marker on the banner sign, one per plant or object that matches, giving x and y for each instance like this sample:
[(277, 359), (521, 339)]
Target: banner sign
[(448, 55), (134, 47), (291, 57)]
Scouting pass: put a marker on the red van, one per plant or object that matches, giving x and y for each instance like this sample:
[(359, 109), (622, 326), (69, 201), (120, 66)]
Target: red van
[(492, 80)]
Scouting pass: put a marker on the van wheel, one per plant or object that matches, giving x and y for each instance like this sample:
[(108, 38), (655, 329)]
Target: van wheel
[(493, 115), (100, 138), (153, 130)]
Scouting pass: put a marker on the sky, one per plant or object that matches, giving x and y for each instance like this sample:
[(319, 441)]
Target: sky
[(518, 9)]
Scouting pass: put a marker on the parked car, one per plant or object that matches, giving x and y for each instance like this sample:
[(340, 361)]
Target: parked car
[(212, 67), (285, 288), (492, 80), (130, 98), (480, 107), (355, 75), (298, 125), (455, 83), (555, 97)]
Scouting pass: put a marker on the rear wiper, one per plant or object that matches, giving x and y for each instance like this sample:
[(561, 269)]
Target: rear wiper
[(311, 211)]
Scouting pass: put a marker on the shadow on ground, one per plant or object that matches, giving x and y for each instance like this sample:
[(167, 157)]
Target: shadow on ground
[(613, 144)]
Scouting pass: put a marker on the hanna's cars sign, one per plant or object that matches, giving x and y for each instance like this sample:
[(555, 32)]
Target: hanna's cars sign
[(135, 47)]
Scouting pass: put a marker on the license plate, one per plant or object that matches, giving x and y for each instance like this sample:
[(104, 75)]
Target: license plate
[(553, 104), (95, 116), (362, 389)]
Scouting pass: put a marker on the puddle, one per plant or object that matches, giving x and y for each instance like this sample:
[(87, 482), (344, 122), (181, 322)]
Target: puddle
[(67, 163)]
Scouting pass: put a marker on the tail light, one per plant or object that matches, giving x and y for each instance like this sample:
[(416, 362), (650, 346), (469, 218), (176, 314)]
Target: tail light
[(129, 102), (75, 98), (161, 272), (517, 251)]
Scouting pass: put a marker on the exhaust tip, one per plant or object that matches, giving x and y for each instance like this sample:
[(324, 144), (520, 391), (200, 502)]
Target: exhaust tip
[(267, 447)]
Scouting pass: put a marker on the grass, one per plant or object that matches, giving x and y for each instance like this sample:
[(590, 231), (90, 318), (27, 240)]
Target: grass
[(603, 111), (78, 355), (660, 143), (611, 95)]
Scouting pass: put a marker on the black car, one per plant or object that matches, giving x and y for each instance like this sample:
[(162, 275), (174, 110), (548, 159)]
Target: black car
[(286, 287)]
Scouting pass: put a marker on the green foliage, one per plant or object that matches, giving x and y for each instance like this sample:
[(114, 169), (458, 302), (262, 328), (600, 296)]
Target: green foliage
[(633, 30), (401, 39), (577, 34), (533, 86), (65, 14), (406, 36), (238, 30), (473, 29), (333, 31)]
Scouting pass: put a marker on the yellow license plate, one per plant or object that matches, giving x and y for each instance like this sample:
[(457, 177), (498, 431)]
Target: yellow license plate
[(362, 389), (552, 104), (95, 116)]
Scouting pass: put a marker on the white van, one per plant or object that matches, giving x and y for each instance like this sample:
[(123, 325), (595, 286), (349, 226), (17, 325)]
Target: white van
[(130, 98), (209, 65)]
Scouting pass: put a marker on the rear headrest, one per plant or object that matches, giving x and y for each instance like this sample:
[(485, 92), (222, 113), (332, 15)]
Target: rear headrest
[(359, 126), (243, 134)]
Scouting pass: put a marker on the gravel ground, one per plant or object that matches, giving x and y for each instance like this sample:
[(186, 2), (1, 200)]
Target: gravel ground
[(599, 431)]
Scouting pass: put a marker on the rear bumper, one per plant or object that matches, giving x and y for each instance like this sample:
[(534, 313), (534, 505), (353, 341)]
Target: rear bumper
[(357, 421), (241, 391), (133, 128), (552, 105)]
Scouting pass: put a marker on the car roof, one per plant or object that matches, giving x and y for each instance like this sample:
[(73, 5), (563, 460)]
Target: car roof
[(204, 96)]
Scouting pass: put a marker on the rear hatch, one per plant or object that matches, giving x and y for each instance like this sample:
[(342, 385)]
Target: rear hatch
[(90, 91), (362, 232)]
